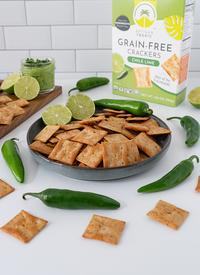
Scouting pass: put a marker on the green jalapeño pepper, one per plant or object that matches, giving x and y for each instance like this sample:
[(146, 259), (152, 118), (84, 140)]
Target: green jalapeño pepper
[(11, 154), (138, 108), (192, 128), (179, 173), (68, 199), (89, 83)]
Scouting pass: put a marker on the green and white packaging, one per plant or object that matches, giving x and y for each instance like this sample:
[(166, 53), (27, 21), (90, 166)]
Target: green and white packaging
[(151, 43)]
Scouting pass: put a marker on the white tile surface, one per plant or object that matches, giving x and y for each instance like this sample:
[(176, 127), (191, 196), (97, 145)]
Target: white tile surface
[(49, 12), (105, 37), (3, 76), (27, 38), (197, 12), (96, 60), (195, 60), (2, 44), (10, 60), (74, 37), (12, 13), (73, 75), (95, 12), (65, 60), (195, 36)]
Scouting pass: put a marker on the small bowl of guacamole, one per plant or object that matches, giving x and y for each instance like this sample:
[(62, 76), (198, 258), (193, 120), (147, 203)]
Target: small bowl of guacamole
[(43, 69)]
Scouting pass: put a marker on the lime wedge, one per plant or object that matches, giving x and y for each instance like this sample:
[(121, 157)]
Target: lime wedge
[(56, 114), (194, 97), (27, 87), (117, 63), (81, 106), (9, 83)]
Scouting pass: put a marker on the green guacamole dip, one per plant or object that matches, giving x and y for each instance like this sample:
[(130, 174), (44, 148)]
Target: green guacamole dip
[(41, 69)]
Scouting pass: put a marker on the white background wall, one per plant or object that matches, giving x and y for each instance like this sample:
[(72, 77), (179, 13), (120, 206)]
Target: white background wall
[(77, 33)]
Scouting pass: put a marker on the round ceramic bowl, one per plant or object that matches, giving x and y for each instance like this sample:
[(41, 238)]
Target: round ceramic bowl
[(101, 173)]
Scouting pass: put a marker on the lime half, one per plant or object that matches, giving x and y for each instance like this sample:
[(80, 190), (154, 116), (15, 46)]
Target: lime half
[(194, 97), (9, 83), (117, 63), (56, 114), (81, 106), (27, 87)]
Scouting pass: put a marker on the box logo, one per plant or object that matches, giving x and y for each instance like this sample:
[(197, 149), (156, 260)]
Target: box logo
[(144, 14)]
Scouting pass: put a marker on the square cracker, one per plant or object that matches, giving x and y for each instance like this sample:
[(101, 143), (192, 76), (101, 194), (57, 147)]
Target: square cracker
[(112, 123), (142, 77), (91, 156), (114, 154), (91, 120), (198, 185), (133, 154), (147, 145), (5, 188), (72, 125), (41, 147), (136, 127), (46, 133), (168, 214), (115, 138), (65, 151), (22, 102), (16, 109), (24, 226), (172, 67), (68, 134), (6, 116), (90, 136), (154, 131), (5, 99), (104, 229)]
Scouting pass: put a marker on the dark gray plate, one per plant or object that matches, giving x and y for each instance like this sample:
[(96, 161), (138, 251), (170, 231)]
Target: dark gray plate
[(98, 173)]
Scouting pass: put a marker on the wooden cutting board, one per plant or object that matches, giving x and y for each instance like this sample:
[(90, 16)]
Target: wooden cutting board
[(34, 105)]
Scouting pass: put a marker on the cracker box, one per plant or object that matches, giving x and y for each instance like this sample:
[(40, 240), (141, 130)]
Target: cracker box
[(151, 43)]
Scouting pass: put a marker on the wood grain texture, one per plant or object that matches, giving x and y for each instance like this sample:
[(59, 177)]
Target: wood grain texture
[(34, 105)]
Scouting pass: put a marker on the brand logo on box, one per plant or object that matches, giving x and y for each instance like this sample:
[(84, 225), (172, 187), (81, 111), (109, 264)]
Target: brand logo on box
[(144, 14)]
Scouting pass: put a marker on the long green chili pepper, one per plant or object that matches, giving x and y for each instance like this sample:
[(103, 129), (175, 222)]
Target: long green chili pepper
[(68, 199), (11, 154), (138, 108), (89, 83), (192, 128), (179, 173)]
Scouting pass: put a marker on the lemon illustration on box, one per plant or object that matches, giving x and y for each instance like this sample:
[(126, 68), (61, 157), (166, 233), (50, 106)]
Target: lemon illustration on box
[(151, 42)]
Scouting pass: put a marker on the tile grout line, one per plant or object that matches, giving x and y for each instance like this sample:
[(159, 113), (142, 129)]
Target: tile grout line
[(26, 22)]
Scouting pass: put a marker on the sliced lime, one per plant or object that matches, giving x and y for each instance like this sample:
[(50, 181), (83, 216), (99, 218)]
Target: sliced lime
[(81, 106), (56, 114), (9, 83), (194, 97), (27, 87), (117, 63)]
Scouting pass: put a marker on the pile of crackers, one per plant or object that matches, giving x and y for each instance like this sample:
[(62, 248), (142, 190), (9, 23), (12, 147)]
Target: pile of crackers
[(108, 139), (11, 108)]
